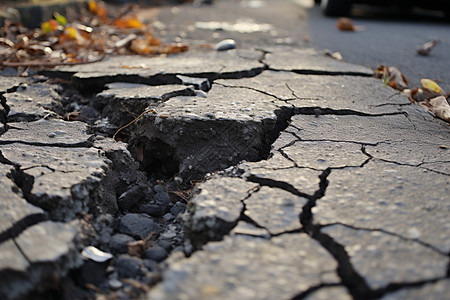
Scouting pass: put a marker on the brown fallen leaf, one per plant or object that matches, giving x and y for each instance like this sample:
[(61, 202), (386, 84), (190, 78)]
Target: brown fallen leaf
[(438, 107), (392, 77), (346, 24), (425, 49)]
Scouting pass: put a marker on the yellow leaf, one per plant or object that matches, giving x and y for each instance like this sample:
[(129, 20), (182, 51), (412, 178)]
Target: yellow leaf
[(431, 86), (71, 33), (93, 6), (46, 28)]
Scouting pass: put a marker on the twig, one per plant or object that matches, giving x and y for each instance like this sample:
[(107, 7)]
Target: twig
[(137, 118)]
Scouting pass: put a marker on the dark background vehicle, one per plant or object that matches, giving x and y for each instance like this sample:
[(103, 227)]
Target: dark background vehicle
[(343, 7)]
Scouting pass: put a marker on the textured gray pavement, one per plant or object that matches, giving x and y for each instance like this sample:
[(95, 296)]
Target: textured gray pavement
[(312, 179)]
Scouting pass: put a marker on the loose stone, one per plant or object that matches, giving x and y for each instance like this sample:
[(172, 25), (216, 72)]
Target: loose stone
[(119, 242), (128, 266), (224, 45), (140, 225), (156, 253)]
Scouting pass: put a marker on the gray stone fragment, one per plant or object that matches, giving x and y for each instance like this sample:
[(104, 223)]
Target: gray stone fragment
[(244, 267), (33, 102), (310, 61), (382, 259), (436, 290), (39, 254), (48, 132), (115, 284), (162, 199), (128, 266), (131, 197), (327, 293), (151, 209), (224, 45), (138, 225), (119, 242), (217, 208), (392, 198), (274, 209), (198, 83), (156, 253), (178, 208)]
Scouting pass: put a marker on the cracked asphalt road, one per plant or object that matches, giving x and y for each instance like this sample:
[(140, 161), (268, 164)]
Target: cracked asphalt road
[(317, 181)]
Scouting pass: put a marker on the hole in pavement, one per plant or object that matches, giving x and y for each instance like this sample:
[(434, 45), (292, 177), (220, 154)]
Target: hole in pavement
[(158, 159)]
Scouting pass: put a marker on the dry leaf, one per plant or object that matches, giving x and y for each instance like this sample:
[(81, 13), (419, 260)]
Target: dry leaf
[(392, 77), (439, 107), (426, 48), (345, 24), (432, 86), (128, 22), (136, 248)]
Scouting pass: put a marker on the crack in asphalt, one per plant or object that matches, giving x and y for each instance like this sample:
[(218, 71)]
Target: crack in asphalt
[(315, 288), (427, 245)]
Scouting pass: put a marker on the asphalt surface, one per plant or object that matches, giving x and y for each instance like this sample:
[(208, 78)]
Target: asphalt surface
[(389, 38), (270, 171)]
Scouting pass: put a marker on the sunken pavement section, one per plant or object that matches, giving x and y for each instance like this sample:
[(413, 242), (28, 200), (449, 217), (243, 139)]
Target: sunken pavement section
[(321, 182)]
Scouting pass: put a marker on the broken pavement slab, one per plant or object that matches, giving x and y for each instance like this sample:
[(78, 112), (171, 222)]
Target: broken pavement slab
[(384, 259), (291, 264), (342, 95), (205, 134), (55, 132), (402, 200), (159, 70), (16, 213), (33, 102), (39, 256)]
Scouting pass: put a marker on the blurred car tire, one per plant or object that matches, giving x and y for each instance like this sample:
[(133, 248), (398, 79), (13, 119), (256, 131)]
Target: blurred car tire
[(336, 7)]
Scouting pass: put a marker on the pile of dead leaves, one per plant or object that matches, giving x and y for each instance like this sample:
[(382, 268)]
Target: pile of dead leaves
[(430, 96), (85, 37)]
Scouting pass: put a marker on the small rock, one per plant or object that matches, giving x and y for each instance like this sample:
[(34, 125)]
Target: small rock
[(165, 244), (156, 253), (159, 188), (162, 199), (140, 225), (95, 254), (151, 209), (225, 45), (168, 217), (115, 284), (150, 265), (131, 197), (178, 208), (119, 242), (128, 266)]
